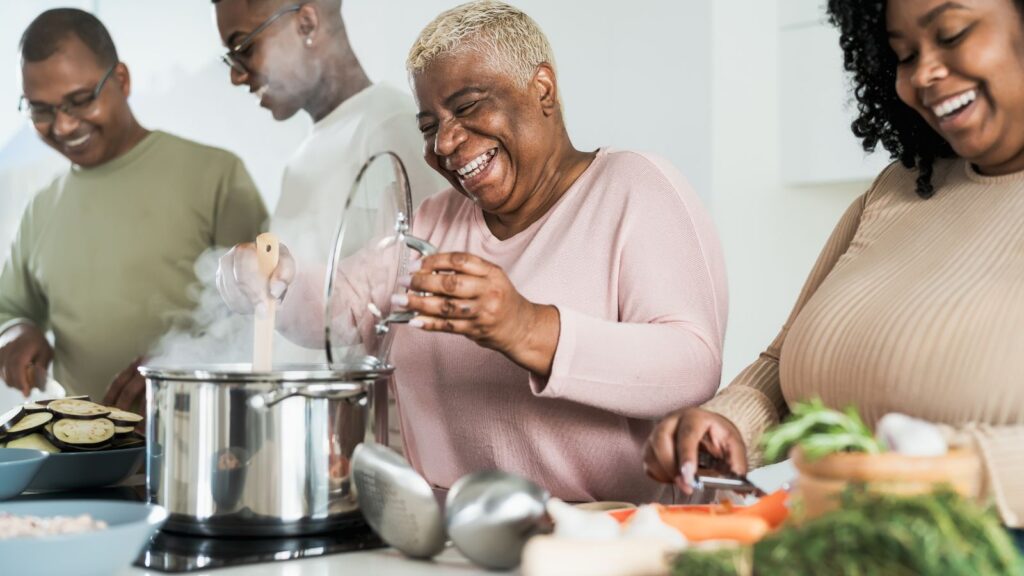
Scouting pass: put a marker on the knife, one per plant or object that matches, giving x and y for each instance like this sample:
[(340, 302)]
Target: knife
[(737, 484), (715, 478)]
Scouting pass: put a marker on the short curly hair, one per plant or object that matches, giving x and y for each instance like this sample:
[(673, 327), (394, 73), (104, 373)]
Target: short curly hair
[(503, 32), (882, 116)]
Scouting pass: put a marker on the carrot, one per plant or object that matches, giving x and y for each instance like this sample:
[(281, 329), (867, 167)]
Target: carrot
[(741, 528), (717, 522), (771, 507), (623, 516)]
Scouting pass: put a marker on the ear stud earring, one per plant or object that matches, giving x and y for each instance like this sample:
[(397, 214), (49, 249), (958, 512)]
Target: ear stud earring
[(309, 40)]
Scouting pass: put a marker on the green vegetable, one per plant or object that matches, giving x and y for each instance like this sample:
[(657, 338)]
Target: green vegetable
[(722, 562), (938, 534), (819, 431)]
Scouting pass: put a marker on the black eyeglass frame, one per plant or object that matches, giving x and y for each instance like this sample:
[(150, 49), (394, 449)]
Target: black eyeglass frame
[(233, 57), (47, 113)]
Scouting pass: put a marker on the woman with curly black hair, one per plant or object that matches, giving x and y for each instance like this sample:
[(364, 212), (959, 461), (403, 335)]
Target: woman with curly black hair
[(916, 304)]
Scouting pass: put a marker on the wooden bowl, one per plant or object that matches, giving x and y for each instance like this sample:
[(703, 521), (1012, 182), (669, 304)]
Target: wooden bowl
[(821, 481)]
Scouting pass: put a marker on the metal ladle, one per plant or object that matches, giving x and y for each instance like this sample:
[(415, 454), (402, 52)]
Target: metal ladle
[(491, 515), (397, 502)]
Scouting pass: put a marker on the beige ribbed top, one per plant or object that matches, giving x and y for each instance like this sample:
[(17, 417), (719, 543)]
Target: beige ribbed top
[(915, 306)]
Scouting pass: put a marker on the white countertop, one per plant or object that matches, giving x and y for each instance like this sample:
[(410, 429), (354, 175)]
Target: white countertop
[(382, 562)]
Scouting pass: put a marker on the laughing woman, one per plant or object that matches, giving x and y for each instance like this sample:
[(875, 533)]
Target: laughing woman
[(916, 303), (584, 294)]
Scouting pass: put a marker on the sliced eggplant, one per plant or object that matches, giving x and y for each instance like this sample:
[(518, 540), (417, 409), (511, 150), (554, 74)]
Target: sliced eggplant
[(82, 434), (48, 400), (28, 424), (11, 417), (120, 431), (128, 441), (123, 417), (78, 409), (33, 407), (34, 441)]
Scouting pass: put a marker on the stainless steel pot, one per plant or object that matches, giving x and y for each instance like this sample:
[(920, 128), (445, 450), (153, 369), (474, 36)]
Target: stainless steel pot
[(236, 452), (232, 452)]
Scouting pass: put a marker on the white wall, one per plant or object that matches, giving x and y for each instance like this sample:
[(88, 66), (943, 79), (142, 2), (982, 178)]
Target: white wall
[(771, 232)]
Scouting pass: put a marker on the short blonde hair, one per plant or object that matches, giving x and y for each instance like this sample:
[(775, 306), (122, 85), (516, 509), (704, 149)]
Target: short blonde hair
[(510, 38)]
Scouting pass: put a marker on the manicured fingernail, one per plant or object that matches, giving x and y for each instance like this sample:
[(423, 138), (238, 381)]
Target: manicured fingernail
[(416, 323), (687, 472), (405, 280), (415, 265), (277, 288), (400, 300), (681, 484)]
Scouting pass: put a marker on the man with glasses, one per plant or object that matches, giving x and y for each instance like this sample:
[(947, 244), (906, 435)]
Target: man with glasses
[(296, 56), (150, 203)]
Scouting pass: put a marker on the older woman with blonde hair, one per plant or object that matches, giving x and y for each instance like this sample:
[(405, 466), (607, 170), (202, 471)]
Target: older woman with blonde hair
[(584, 293)]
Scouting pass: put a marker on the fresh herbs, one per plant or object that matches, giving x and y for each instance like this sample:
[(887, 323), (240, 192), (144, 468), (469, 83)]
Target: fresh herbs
[(721, 562), (937, 534), (819, 431)]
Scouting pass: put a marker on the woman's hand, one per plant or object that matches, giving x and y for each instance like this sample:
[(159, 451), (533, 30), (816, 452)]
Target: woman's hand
[(672, 448), (475, 298), (241, 284)]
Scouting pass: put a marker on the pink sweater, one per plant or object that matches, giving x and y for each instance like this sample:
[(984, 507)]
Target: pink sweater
[(631, 259)]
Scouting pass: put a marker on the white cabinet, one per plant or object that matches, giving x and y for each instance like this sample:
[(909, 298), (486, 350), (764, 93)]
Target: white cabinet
[(816, 106)]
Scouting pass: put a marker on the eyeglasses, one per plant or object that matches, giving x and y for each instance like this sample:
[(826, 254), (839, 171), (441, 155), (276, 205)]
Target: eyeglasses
[(78, 105), (235, 57)]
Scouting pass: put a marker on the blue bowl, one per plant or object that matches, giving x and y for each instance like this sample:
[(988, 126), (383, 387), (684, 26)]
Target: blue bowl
[(130, 525), (81, 470), (18, 467)]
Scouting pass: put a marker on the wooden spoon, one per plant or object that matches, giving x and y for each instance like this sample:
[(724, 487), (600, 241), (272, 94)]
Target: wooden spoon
[(263, 327)]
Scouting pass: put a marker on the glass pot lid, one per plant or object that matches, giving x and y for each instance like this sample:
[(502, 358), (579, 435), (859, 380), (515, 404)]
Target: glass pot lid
[(372, 250)]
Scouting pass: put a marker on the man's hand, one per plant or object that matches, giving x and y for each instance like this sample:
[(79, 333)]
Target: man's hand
[(25, 356), (241, 284), (127, 388)]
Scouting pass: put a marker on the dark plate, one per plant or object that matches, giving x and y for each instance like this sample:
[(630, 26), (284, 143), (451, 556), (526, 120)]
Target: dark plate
[(78, 470)]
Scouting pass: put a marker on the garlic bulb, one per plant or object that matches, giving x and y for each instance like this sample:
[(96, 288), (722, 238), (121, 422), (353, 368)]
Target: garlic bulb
[(910, 436)]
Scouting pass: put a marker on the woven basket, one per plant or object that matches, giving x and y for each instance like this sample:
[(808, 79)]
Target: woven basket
[(822, 481)]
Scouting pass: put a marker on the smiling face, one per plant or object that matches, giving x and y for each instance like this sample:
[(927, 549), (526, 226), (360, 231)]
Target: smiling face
[(104, 130), (277, 71), (961, 67), (489, 135)]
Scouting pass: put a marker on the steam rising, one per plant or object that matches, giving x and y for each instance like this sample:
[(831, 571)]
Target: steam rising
[(210, 333)]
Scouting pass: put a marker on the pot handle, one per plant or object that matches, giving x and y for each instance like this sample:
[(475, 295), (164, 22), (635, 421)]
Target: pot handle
[(314, 391), (426, 249)]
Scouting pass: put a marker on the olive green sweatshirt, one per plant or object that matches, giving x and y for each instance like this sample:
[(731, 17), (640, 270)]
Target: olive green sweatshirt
[(104, 256)]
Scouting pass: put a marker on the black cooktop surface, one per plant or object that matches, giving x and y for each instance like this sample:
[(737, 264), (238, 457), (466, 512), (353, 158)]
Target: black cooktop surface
[(179, 553)]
